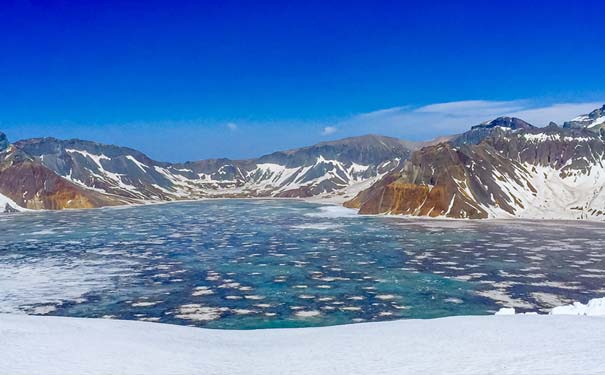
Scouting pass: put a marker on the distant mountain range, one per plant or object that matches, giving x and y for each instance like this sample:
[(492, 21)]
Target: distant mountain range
[(501, 168), (47, 173)]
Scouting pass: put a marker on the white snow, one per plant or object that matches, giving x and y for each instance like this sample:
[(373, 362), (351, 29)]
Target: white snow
[(561, 194), (575, 196), (520, 344), (50, 281), (112, 178), (142, 167), (95, 158), (4, 200), (333, 212), (506, 311), (587, 122), (543, 137), (594, 307)]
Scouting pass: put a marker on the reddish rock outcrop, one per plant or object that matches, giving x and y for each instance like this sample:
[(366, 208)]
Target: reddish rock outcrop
[(34, 186)]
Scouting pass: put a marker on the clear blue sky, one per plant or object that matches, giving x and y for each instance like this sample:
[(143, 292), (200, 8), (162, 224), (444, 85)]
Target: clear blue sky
[(189, 80)]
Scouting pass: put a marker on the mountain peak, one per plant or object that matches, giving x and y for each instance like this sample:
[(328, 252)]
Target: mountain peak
[(505, 122), (479, 132), (594, 121), (367, 139), (3, 142)]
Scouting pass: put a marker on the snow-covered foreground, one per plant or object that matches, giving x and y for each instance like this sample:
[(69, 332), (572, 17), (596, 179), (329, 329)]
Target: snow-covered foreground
[(521, 344)]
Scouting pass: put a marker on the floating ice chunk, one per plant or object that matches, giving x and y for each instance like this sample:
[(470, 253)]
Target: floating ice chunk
[(43, 310), (145, 303), (318, 226), (307, 314), (242, 311), (506, 311), (202, 291), (386, 297), (200, 313)]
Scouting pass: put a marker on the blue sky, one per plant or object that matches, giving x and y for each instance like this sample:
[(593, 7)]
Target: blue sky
[(190, 80)]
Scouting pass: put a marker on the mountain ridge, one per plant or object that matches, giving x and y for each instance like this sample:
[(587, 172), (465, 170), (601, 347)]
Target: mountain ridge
[(531, 172), (130, 176), (504, 167)]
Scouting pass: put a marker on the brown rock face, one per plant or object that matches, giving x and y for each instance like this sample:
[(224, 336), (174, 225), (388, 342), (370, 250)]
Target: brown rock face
[(471, 180), (422, 189), (34, 186)]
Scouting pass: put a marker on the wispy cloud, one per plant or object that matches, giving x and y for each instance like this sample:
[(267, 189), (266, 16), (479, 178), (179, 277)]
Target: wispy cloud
[(232, 126), (328, 130), (439, 119), (471, 108)]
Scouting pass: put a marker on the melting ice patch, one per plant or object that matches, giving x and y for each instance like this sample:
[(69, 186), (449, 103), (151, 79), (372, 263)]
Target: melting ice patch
[(319, 226), (37, 286), (333, 212)]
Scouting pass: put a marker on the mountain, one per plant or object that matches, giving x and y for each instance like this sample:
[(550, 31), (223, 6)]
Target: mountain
[(505, 168), (482, 131), (26, 183), (118, 171), (498, 169), (593, 121), (54, 174), (3, 142)]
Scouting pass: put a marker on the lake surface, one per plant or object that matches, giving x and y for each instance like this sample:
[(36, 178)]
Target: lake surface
[(243, 264)]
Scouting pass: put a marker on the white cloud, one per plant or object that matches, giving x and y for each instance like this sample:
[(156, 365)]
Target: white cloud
[(472, 107), (438, 119), (232, 126), (329, 130)]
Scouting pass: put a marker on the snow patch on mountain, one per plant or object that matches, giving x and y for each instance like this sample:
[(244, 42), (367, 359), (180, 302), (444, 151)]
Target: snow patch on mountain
[(543, 192), (7, 205)]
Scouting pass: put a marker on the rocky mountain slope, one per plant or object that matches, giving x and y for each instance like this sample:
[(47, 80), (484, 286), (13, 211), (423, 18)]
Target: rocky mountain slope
[(593, 121), (55, 174), (504, 168), (501, 168), (26, 183)]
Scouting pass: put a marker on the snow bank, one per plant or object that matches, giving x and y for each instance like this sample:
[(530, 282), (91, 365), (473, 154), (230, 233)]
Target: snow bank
[(523, 344), (595, 307), (506, 311)]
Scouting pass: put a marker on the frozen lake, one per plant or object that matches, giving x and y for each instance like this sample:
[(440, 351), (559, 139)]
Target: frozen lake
[(266, 263)]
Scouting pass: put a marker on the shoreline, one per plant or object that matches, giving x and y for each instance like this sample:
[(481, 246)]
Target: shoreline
[(320, 202)]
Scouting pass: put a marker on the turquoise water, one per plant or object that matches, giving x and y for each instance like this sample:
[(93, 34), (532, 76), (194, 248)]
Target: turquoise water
[(266, 263)]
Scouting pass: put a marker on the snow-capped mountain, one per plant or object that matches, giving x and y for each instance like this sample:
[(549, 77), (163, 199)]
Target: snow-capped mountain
[(118, 171), (325, 169), (508, 171), (501, 168), (594, 121), (26, 183), (117, 175), (483, 130)]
